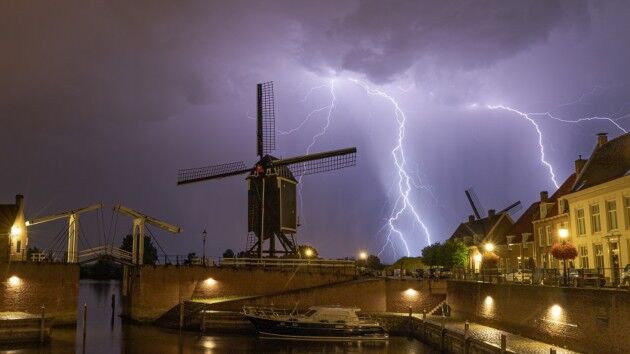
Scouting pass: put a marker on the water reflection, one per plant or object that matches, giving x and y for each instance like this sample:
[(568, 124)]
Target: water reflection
[(106, 335)]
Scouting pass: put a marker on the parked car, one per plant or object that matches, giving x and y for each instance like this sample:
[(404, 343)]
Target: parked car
[(520, 276), (625, 277), (586, 277)]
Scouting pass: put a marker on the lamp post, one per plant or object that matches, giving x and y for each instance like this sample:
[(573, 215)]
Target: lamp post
[(204, 234), (563, 234)]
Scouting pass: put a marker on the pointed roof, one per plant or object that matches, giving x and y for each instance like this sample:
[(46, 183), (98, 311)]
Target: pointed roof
[(607, 162)]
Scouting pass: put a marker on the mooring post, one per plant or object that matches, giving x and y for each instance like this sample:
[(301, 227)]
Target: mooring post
[(84, 322), (203, 320), (552, 350), (41, 325), (424, 315), (113, 306), (181, 314), (442, 332), (503, 343), (466, 335)]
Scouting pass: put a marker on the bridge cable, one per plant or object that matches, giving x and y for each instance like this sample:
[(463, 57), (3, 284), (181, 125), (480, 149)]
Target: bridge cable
[(56, 240), (158, 244)]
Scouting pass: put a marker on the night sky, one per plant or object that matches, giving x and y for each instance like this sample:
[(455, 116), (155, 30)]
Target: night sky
[(103, 101)]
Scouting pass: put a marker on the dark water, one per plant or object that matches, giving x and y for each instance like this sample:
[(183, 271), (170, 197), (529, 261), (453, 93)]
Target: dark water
[(107, 336)]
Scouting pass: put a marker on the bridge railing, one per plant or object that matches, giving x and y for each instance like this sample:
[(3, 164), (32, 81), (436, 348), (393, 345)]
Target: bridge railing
[(286, 262), (106, 250)]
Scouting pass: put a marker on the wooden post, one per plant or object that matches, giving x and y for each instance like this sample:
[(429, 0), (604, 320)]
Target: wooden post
[(203, 321), (503, 343), (552, 350), (113, 306), (181, 314), (466, 335), (41, 325), (85, 308), (442, 331)]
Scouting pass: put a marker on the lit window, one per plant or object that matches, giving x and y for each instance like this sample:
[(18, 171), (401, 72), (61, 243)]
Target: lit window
[(548, 234), (581, 228), (599, 256), (626, 200), (611, 215), (584, 256), (596, 225)]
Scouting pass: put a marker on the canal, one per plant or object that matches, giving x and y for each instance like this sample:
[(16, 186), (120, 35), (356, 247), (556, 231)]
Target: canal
[(105, 335)]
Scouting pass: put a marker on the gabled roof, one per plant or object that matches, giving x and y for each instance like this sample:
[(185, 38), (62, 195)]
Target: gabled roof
[(607, 162), (524, 223), (476, 227), (564, 189)]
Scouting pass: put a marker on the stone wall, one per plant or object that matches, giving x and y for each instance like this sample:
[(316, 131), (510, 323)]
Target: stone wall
[(155, 290), (27, 286), (582, 319)]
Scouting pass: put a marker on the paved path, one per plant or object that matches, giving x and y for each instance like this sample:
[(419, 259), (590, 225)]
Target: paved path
[(515, 342)]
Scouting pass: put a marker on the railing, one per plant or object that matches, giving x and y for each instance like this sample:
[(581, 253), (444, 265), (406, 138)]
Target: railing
[(576, 277), (286, 262)]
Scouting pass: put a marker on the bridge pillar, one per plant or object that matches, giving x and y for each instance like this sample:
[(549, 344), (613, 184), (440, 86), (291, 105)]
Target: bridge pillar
[(137, 252), (73, 227)]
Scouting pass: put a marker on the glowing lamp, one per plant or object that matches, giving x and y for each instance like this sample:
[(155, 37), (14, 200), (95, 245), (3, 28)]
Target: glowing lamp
[(308, 252), (489, 247), (563, 233), (411, 292), (477, 258), (556, 312), (14, 280), (488, 301), (363, 255), (15, 230), (210, 282)]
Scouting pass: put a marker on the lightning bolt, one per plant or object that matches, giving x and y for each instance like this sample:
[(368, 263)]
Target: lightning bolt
[(403, 203), (540, 137)]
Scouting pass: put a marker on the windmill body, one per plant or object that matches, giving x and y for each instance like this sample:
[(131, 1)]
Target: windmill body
[(272, 199)]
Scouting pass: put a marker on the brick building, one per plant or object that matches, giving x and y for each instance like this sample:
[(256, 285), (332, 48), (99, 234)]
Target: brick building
[(13, 233)]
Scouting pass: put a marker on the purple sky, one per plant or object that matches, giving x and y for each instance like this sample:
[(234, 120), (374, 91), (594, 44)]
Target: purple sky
[(104, 101)]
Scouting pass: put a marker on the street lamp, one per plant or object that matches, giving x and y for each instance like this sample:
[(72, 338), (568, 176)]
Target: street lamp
[(16, 230), (563, 234), (489, 247), (308, 252), (363, 255), (204, 234)]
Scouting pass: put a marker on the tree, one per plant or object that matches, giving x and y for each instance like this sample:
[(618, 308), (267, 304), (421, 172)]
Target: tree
[(150, 252), (228, 253), (373, 262), (431, 254)]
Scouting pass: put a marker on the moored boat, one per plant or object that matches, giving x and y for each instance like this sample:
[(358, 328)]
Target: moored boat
[(317, 323)]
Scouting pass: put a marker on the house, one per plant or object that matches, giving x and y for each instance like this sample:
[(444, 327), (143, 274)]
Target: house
[(599, 208), (519, 240), (477, 232), (551, 216), (13, 233)]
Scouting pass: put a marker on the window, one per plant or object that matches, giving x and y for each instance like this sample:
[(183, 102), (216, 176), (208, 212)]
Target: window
[(596, 225), (541, 241), (611, 215), (18, 246), (548, 234), (581, 228), (626, 200), (599, 256), (583, 256)]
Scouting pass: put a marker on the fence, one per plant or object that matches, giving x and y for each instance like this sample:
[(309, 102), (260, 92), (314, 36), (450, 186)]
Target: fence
[(595, 277), (286, 262)]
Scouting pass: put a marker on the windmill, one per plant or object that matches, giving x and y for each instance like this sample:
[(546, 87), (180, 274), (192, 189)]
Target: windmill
[(478, 210), (272, 215)]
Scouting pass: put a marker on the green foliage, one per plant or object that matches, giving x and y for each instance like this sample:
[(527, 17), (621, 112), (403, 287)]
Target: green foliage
[(372, 262), (228, 253), (150, 252), (452, 253), (408, 263)]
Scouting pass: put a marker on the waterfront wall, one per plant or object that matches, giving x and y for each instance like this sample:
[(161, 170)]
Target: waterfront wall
[(155, 290), (371, 295), (582, 319), (25, 287)]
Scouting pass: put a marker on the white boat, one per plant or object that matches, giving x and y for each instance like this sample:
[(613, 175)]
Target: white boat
[(317, 323)]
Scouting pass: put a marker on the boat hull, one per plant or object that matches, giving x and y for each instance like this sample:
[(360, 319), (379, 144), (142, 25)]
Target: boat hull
[(316, 331)]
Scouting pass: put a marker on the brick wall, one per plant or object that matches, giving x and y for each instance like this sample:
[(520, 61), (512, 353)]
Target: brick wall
[(27, 286), (155, 290), (588, 320)]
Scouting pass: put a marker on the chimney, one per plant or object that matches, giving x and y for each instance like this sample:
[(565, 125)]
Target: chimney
[(471, 218), (544, 196), (602, 138), (579, 165), (491, 213), (19, 202)]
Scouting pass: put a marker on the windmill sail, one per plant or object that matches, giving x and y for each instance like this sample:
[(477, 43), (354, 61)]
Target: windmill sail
[(191, 175), (320, 162), (265, 119)]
